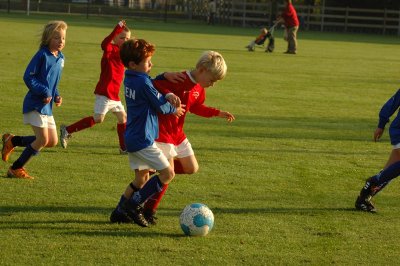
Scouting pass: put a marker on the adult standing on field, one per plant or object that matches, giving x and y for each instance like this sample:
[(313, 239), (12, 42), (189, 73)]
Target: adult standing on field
[(289, 18)]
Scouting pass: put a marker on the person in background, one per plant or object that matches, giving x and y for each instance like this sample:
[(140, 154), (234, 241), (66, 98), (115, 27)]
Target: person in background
[(289, 18)]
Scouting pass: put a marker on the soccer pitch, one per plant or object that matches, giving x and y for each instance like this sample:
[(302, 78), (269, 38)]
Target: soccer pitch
[(281, 179)]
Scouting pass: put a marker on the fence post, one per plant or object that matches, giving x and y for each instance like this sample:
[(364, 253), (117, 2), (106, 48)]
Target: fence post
[(165, 10), (322, 15), (398, 26), (308, 17), (28, 6), (384, 21), (346, 18), (8, 7), (87, 9), (244, 13)]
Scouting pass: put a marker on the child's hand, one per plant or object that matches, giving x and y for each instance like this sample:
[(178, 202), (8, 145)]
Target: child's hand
[(122, 23), (58, 101), (378, 134), (174, 77), (226, 115), (180, 110), (47, 100), (173, 99)]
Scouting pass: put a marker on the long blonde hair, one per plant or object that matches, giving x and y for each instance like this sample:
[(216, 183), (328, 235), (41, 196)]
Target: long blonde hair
[(49, 30)]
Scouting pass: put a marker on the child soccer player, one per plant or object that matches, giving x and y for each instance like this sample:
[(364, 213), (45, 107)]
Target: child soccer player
[(391, 170), (143, 102), (172, 140), (107, 89), (41, 77)]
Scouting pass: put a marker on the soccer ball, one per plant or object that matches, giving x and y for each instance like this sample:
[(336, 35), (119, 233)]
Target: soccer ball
[(196, 220)]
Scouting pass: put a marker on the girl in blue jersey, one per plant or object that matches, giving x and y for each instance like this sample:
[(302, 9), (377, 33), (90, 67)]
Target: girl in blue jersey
[(143, 102), (391, 170), (41, 77)]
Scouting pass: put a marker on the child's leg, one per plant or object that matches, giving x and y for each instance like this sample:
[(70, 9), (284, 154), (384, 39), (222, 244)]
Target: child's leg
[(394, 157), (121, 127), (32, 149), (376, 183), (81, 124), (119, 215), (10, 142), (155, 184), (186, 165), (141, 177), (151, 205), (66, 131)]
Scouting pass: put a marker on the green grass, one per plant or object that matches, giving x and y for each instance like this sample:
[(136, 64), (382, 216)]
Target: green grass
[(281, 180)]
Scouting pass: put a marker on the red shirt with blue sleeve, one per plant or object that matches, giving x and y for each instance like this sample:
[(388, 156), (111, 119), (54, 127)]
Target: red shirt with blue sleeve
[(193, 96), (112, 69)]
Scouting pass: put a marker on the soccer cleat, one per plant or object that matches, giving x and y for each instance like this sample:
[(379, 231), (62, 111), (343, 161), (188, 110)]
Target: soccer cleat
[(365, 204), (118, 216), (64, 136), (135, 212), (150, 217), (18, 173), (8, 147)]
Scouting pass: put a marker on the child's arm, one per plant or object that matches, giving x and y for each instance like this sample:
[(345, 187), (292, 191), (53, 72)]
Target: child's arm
[(158, 102), (117, 30), (168, 84), (388, 109), (228, 116), (199, 108), (30, 77)]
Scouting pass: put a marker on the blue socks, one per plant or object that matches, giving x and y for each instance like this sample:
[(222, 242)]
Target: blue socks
[(385, 176), (152, 186), (24, 157), (22, 141)]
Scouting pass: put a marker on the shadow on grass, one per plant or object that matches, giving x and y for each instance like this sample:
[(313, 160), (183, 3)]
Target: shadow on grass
[(10, 210), (95, 228)]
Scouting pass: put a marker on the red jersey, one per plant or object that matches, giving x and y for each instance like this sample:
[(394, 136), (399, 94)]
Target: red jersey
[(290, 16), (112, 69), (193, 96)]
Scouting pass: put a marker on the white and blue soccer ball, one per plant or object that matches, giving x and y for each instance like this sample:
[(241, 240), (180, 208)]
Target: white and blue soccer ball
[(196, 220)]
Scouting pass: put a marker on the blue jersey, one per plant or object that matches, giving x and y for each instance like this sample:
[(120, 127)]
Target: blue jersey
[(41, 77), (388, 109), (143, 102)]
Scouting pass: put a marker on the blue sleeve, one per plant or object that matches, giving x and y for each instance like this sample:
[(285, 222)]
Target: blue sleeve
[(160, 77), (158, 101), (388, 109), (32, 73)]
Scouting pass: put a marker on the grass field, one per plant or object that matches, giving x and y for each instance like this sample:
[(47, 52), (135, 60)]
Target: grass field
[(281, 180)]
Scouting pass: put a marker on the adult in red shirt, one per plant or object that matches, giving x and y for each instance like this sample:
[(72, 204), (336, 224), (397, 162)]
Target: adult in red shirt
[(289, 18)]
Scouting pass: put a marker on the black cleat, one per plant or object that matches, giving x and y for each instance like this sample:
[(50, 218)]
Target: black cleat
[(120, 217), (150, 217), (135, 212), (365, 205)]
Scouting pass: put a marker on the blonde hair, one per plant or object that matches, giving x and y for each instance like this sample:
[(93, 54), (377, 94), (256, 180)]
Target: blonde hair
[(49, 29), (214, 63)]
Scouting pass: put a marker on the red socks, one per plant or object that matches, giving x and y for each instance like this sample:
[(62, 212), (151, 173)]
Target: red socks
[(121, 136), (81, 124)]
